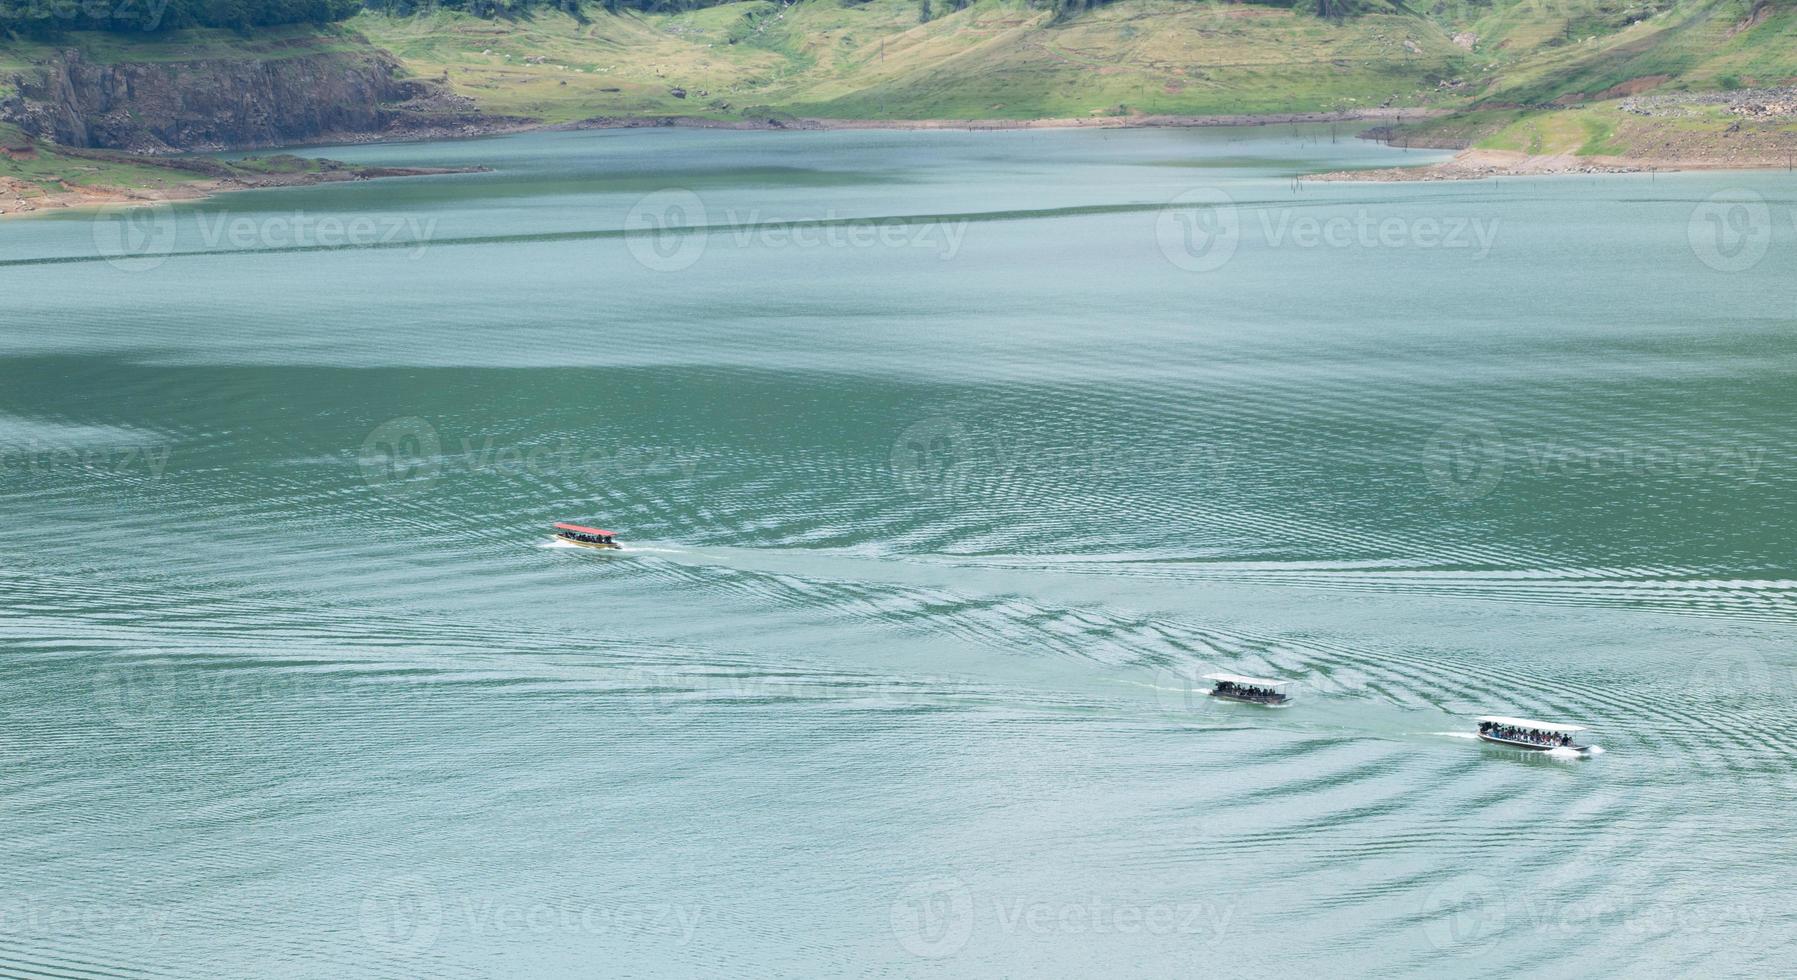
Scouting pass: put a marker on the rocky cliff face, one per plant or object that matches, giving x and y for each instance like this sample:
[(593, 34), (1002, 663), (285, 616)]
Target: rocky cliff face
[(225, 103)]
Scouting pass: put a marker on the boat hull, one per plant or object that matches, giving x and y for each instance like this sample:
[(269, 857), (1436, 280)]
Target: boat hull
[(592, 544)]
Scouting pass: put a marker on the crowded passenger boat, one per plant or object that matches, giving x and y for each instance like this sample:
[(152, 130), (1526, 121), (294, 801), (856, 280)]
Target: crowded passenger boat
[(586, 537), (1525, 734), (1249, 690)]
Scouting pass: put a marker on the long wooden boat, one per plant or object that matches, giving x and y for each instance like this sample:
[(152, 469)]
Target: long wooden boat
[(1536, 736), (587, 537), (1250, 690)]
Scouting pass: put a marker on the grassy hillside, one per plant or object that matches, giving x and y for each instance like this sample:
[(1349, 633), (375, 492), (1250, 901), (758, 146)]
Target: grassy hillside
[(1008, 60), (28, 168), (1712, 44), (1153, 56), (1528, 75), (1684, 135), (557, 69), (994, 59), (1003, 59)]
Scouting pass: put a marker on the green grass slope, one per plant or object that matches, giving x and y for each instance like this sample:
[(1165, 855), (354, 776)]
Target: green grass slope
[(1514, 71), (1696, 45), (874, 60), (1004, 59)]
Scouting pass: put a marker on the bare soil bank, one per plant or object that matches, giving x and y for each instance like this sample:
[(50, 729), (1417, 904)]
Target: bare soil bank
[(1078, 122), (23, 197), (1485, 164)]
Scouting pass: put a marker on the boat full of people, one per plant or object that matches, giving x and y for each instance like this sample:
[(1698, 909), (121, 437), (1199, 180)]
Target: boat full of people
[(587, 537), (1250, 690), (1524, 733)]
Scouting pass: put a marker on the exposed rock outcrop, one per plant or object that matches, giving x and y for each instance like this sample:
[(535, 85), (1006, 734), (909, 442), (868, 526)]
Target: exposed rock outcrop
[(150, 106)]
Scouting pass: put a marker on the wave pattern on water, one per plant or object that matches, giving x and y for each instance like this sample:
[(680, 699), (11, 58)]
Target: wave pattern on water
[(924, 560)]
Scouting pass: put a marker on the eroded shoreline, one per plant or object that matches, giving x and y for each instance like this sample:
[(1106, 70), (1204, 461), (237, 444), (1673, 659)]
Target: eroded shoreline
[(1487, 164), (15, 202), (22, 197)]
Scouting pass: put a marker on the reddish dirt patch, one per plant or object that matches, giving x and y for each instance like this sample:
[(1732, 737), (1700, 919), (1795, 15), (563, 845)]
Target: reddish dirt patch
[(1634, 86)]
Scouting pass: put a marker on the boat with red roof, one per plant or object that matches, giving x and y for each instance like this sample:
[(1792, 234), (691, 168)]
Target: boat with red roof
[(587, 537)]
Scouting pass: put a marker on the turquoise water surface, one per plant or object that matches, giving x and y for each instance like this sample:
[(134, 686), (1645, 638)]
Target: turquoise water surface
[(947, 463)]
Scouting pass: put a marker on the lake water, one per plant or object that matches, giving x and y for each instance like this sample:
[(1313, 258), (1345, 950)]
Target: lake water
[(947, 462)]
